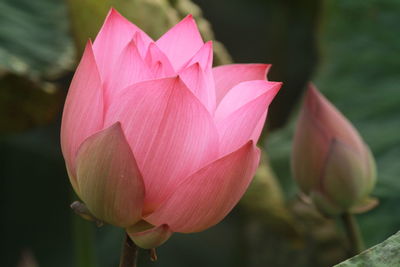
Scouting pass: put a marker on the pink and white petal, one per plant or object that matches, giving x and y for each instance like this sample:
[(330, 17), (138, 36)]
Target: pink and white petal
[(130, 68), (108, 177), (194, 78), (151, 238), (207, 196), (113, 37), (181, 42), (169, 130), (158, 62), (83, 110), (227, 76), (243, 93), (245, 123)]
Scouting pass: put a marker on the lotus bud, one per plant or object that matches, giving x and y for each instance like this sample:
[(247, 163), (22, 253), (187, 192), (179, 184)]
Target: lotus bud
[(330, 161), (153, 135)]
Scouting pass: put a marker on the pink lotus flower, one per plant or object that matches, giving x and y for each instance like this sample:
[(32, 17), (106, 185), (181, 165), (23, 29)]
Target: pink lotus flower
[(156, 140), (330, 161)]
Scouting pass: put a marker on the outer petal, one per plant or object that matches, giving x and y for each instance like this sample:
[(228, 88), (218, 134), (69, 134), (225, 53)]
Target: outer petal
[(170, 133), (158, 62), (113, 37), (345, 175), (130, 68), (108, 178), (310, 148), (207, 196), (181, 42), (83, 110), (151, 238), (228, 76), (241, 114)]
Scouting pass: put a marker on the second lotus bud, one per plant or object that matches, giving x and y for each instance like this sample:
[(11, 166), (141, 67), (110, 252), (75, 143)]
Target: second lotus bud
[(330, 161)]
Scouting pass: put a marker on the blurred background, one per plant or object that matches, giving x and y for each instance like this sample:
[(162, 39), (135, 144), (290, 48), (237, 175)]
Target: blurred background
[(350, 49)]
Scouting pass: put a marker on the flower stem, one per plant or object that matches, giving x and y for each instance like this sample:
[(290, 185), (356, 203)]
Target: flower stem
[(353, 233), (83, 238), (129, 253)]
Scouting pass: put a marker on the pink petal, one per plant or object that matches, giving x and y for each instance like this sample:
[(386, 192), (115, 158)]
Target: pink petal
[(310, 149), (204, 57), (207, 196), (158, 62), (151, 238), (113, 37), (83, 110), (181, 42), (194, 78), (109, 180), (241, 114), (169, 130), (130, 68), (228, 76), (334, 123), (142, 42)]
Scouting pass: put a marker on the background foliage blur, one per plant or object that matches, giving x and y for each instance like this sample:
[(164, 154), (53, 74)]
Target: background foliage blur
[(350, 49)]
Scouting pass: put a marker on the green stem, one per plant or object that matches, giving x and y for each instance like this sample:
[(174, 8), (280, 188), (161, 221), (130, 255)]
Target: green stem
[(83, 234), (353, 233), (129, 253)]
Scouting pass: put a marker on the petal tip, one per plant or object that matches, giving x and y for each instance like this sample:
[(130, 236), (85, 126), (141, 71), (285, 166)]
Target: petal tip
[(113, 13), (88, 46)]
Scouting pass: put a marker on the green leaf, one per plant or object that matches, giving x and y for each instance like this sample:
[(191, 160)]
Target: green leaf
[(385, 254), (34, 37), (34, 48)]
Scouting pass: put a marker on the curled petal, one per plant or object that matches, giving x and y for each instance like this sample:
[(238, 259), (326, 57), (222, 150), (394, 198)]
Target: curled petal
[(244, 93), (83, 110), (181, 42), (208, 195), (109, 179), (241, 114), (150, 238), (227, 76), (169, 130)]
